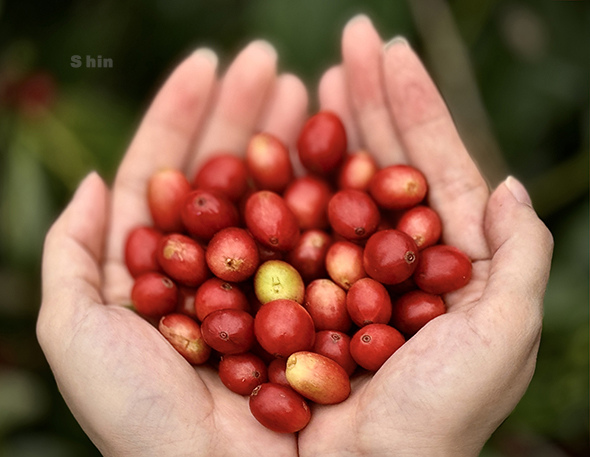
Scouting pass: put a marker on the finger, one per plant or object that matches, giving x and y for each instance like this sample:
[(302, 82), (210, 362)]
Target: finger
[(163, 140), (431, 142), (286, 110), (242, 96), (362, 51), (333, 96), (72, 254), (168, 128), (522, 246), (286, 113)]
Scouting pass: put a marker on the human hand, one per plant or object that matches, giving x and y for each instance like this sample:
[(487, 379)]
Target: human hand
[(451, 385), (131, 392), (443, 393)]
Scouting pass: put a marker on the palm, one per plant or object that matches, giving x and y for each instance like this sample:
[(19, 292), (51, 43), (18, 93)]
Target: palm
[(154, 393), (410, 393)]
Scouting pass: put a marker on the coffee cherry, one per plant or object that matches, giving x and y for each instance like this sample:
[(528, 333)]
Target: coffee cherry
[(322, 143), (398, 187), (283, 327), (184, 334), (215, 294), (166, 191), (353, 214), (415, 309), (368, 302), (140, 250), (276, 279), (270, 221), (357, 171), (308, 256), (317, 378), (423, 225), (229, 331), (325, 301), (373, 344), (336, 346), (279, 408), (241, 373), (390, 256), (307, 197), (442, 269), (232, 254), (225, 173), (154, 294), (268, 162), (183, 259), (206, 212), (344, 263)]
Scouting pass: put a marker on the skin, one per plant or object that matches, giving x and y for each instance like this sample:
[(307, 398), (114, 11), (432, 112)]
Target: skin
[(443, 393)]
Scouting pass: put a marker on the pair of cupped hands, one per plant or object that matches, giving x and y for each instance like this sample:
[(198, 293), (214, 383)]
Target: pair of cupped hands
[(442, 394)]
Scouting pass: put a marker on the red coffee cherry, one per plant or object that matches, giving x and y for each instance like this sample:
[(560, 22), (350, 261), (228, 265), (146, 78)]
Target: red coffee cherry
[(232, 254), (353, 214), (154, 294), (423, 225), (325, 301), (336, 346), (398, 187), (215, 294), (322, 143), (183, 259), (184, 334), (140, 250), (276, 372), (344, 263), (241, 373), (206, 212), (283, 327), (223, 172), (229, 331), (270, 221), (307, 197), (368, 302), (166, 191), (317, 377), (357, 171), (415, 309), (279, 408), (373, 344), (390, 256), (268, 162), (309, 254), (442, 269)]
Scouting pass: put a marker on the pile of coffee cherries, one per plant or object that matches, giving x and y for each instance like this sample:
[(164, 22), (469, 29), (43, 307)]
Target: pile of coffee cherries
[(290, 284)]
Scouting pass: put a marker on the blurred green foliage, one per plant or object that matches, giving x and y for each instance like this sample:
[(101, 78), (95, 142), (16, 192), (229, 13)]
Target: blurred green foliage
[(528, 60)]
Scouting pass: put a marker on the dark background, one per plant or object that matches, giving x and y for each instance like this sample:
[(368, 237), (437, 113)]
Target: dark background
[(515, 74)]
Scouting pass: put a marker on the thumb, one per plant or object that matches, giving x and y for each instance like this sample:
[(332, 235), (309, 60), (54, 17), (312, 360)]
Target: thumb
[(521, 247), (71, 272)]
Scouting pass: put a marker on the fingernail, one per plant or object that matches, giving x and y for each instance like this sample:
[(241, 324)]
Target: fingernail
[(358, 18), (84, 183), (85, 186), (267, 46), (518, 191), (397, 40), (207, 53)]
